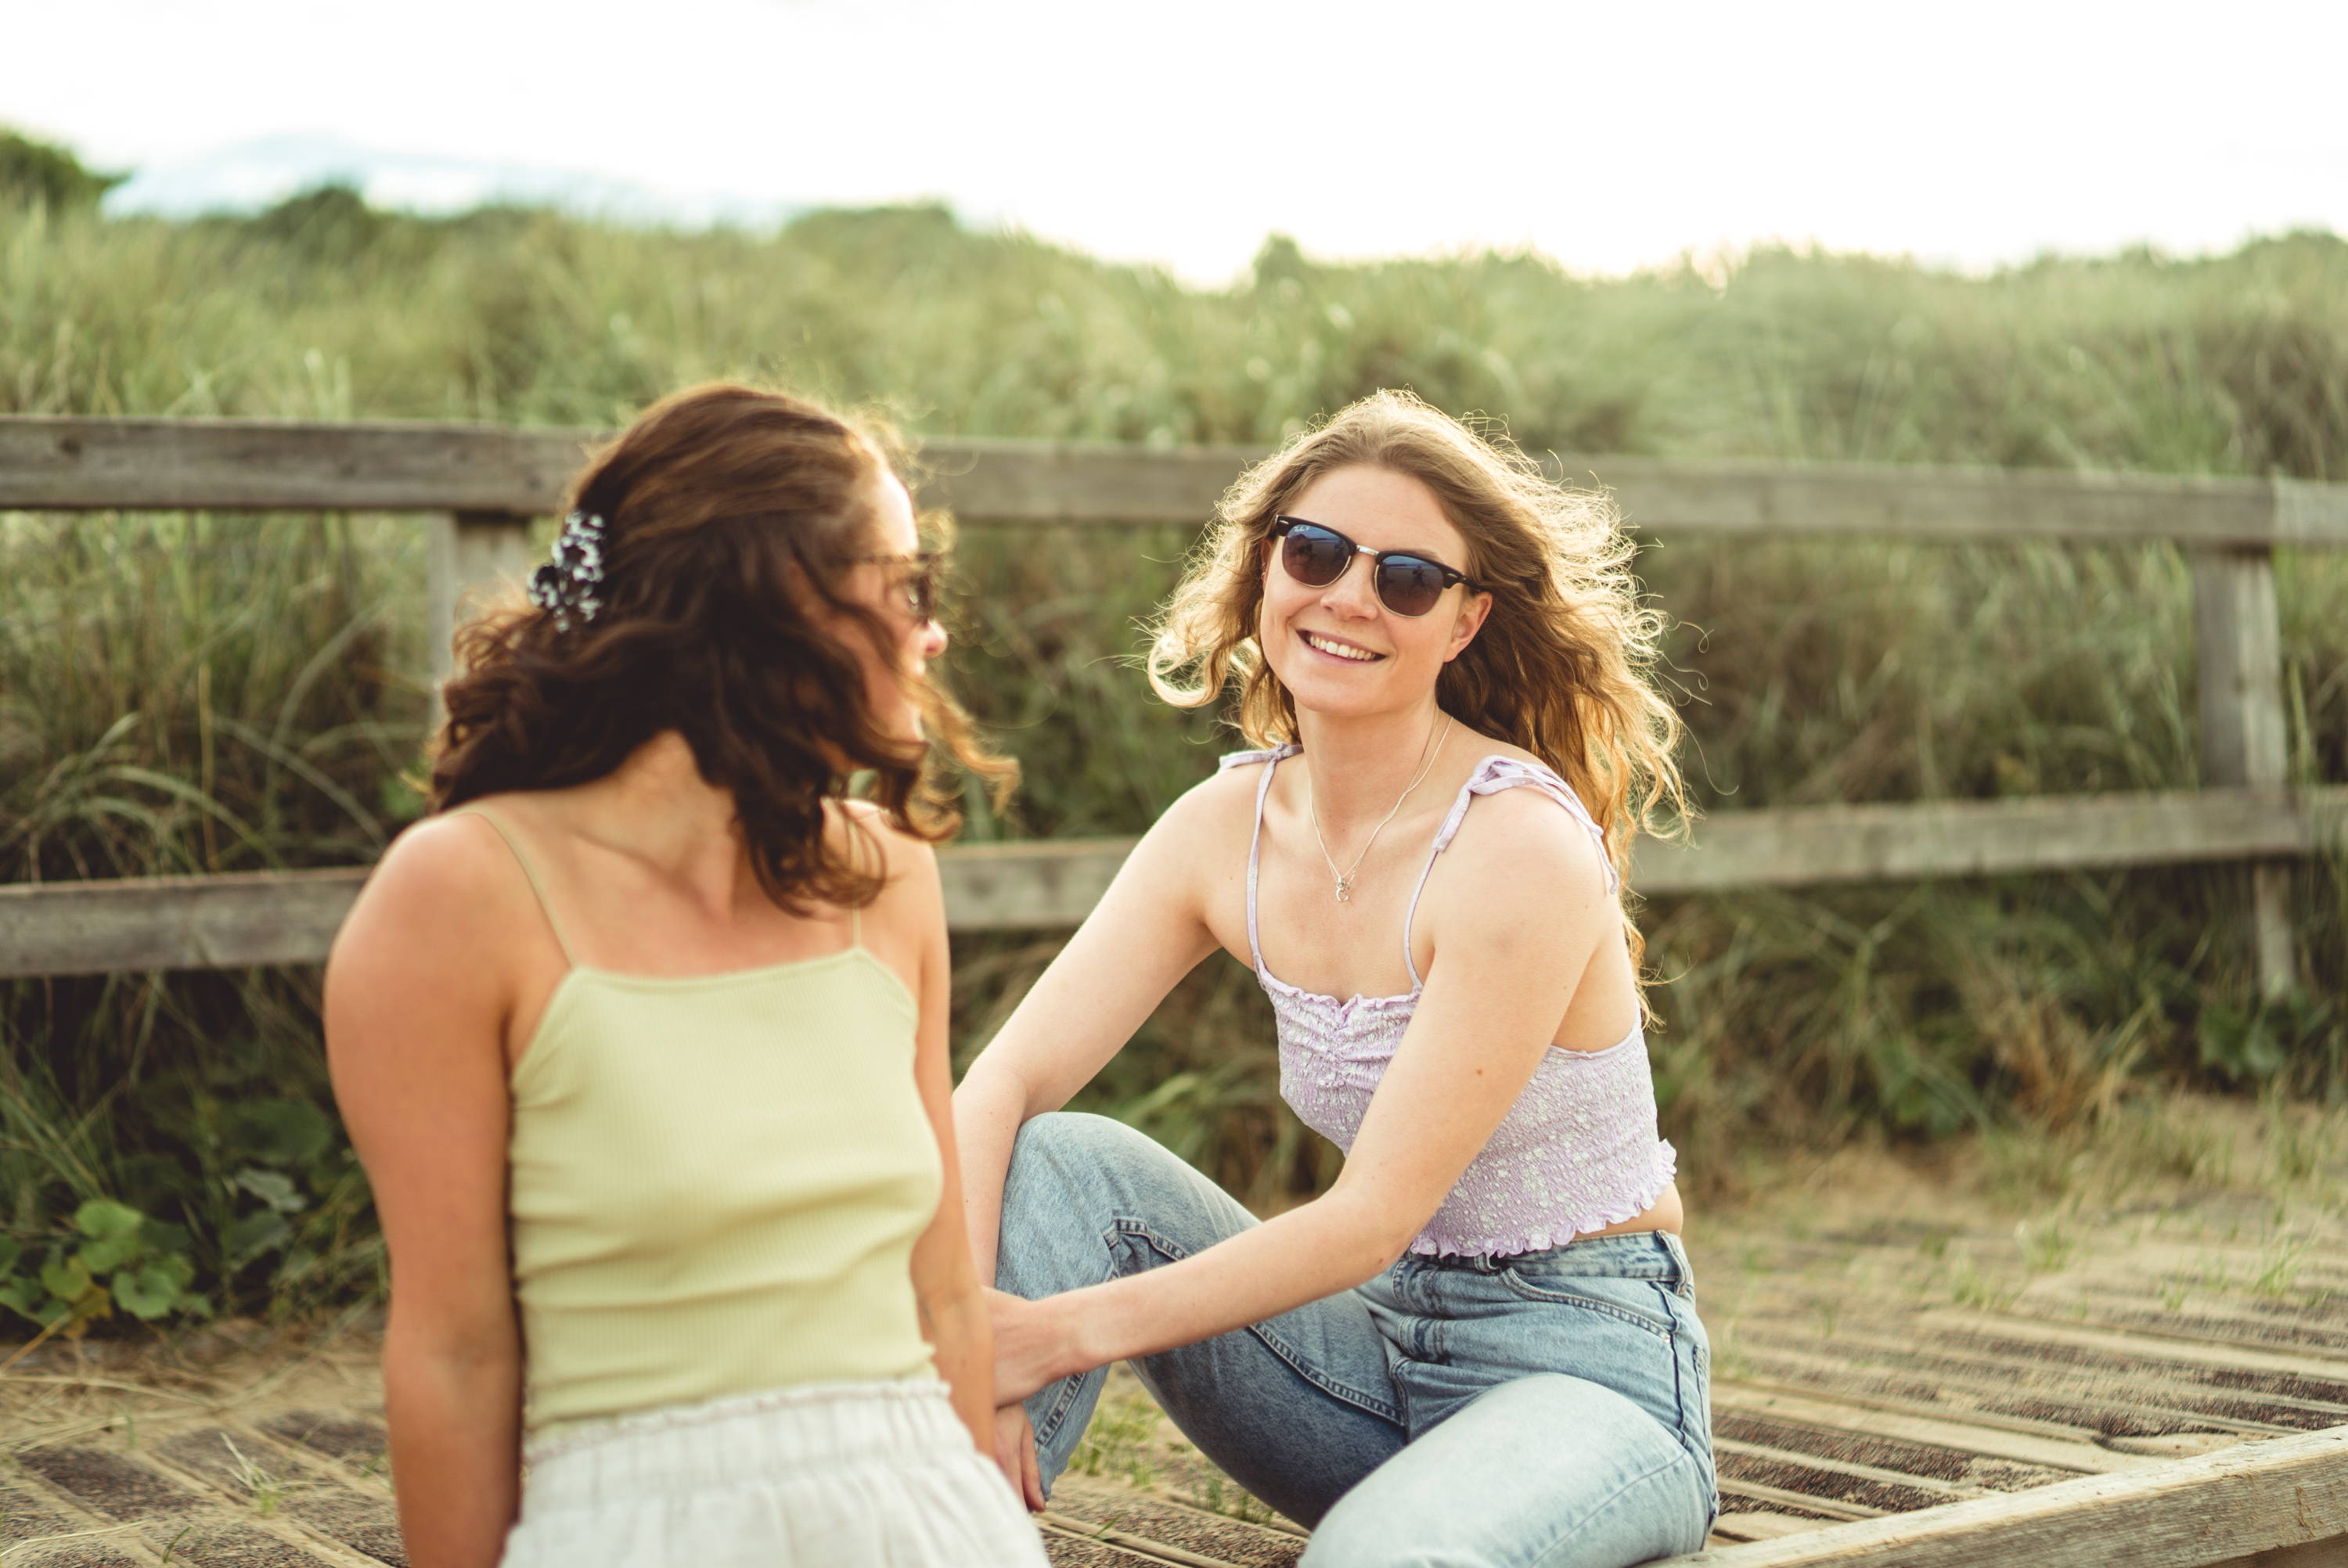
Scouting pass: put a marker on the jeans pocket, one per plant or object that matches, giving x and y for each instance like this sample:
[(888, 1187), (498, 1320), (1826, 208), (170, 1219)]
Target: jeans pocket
[(1638, 1302)]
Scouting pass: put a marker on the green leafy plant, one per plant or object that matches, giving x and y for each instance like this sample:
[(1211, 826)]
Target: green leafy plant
[(2252, 1043), (110, 1257)]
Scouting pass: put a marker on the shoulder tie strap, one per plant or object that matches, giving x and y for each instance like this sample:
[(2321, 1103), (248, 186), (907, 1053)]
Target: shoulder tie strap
[(1492, 775), (529, 874)]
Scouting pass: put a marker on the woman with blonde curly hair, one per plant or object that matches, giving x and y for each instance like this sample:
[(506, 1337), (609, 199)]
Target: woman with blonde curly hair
[(642, 1035), (1480, 1346)]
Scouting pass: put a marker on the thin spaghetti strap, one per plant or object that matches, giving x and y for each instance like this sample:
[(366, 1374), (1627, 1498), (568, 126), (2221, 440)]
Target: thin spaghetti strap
[(1493, 775), (1442, 842), (1411, 914), (529, 874), (1255, 846)]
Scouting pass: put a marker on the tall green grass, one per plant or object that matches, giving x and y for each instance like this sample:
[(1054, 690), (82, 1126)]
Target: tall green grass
[(223, 692)]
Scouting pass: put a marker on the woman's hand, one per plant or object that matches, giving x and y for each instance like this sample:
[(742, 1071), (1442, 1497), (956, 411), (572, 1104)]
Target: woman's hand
[(1015, 1451), (1033, 1344)]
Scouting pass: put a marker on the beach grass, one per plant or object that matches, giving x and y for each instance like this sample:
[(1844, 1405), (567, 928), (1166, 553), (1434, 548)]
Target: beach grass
[(215, 693)]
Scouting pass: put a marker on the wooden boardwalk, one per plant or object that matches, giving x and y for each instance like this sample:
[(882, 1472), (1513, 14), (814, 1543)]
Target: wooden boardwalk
[(2155, 1386)]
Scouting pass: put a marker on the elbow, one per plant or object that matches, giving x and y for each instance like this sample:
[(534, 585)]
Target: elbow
[(1379, 1232), (951, 1320), (987, 1083), (1394, 1245), (457, 1344)]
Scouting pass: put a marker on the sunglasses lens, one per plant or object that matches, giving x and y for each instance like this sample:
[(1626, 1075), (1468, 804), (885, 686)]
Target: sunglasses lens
[(1408, 586), (1315, 557)]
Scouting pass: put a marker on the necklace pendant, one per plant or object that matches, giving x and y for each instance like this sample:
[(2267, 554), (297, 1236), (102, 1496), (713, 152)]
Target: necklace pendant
[(1344, 889)]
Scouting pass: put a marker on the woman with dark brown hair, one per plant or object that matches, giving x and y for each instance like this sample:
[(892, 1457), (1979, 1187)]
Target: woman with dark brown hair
[(641, 1036)]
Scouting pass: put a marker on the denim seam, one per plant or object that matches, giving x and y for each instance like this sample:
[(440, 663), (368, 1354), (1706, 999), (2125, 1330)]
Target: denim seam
[(1532, 1292), (1698, 1447), (1070, 1388), (1564, 1534), (1679, 1383), (1273, 1342)]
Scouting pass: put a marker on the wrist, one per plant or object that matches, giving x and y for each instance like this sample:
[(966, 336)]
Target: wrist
[(1076, 1332)]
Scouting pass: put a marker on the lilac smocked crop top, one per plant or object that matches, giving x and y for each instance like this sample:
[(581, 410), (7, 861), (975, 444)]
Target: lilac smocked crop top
[(1578, 1151)]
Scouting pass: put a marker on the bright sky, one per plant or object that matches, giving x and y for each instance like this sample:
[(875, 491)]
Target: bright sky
[(1609, 136)]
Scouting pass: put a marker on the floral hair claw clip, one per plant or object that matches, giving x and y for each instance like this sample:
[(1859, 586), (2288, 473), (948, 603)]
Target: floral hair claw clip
[(572, 581)]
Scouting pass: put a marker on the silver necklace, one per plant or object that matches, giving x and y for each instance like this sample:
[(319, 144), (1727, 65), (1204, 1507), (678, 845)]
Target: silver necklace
[(1346, 877)]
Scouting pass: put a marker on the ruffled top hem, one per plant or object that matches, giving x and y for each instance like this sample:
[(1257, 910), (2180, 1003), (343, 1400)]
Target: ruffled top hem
[(1429, 1245)]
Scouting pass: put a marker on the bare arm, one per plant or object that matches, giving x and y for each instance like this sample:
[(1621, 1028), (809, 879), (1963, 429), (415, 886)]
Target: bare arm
[(1514, 932), (1148, 930), (954, 1310), (415, 1020)]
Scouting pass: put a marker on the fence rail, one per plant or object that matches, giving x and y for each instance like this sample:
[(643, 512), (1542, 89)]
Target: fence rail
[(235, 465), (291, 917), (478, 488)]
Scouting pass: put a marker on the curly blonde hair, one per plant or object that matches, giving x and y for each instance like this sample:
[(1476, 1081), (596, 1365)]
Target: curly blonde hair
[(1561, 666)]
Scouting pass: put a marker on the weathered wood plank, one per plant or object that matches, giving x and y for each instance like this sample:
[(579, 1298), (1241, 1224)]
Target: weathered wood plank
[(1750, 498), (172, 922), (1832, 1507), (290, 918), (84, 464), (1144, 1547), (261, 464), (1892, 1404), (1757, 1524), (1811, 846), (2244, 736), (2184, 1351), (1029, 886), (1727, 1448), (1956, 1433), (2260, 1497), (2328, 1553), (472, 554), (1079, 481)]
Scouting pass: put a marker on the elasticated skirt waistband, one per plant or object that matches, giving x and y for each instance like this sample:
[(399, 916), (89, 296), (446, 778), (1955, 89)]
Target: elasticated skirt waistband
[(746, 1437), (835, 1475)]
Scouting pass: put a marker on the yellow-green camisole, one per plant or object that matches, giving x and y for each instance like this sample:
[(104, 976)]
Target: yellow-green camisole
[(716, 1182)]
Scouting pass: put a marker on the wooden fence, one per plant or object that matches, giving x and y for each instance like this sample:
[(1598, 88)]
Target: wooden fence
[(479, 488)]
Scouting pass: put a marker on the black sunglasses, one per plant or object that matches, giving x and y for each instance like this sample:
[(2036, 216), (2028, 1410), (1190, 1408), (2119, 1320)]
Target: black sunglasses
[(921, 583), (1317, 555)]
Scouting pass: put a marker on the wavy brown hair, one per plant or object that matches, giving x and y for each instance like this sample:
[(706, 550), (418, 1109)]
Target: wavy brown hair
[(1561, 665), (730, 517)]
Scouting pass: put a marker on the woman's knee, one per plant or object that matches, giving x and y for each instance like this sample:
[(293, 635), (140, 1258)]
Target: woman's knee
[(1062, 1160), (1079, 1182), (1061, 1135)]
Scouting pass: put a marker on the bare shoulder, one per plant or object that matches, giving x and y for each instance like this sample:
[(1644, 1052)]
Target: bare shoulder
[(1219, 804), (907, 863), (444, 897), (1518, 854), (440, 869)]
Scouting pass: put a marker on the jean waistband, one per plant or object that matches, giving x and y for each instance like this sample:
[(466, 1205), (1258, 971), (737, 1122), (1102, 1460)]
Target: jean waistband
[(1645, 1254)]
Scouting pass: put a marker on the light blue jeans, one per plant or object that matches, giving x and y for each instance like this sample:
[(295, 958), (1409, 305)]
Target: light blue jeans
[(1536, 1411)]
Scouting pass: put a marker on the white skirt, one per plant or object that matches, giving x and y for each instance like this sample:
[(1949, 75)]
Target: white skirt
[(829, 1475)]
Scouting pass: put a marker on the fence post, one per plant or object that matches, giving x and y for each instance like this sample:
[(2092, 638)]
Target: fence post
[(2244, 742), (470, 552)]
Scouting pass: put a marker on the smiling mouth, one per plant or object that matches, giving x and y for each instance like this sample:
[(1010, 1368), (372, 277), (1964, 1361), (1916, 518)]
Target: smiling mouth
[(1350, 653)]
